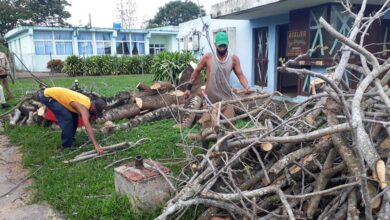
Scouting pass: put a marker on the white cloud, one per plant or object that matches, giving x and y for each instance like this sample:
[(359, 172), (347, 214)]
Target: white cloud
[(103, 11)]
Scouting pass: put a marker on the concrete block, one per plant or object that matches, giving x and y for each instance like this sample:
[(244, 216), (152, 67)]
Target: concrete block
[(145, 187)]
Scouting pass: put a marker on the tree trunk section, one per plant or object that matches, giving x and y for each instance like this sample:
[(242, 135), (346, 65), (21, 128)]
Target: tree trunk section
[(159, 101)]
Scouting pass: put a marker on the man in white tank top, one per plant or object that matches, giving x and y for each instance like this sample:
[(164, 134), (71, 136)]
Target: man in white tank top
[(218, 69)]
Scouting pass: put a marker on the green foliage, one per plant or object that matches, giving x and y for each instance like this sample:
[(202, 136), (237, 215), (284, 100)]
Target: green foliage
[(168, 65), (55, 65), (147, 61), (47, 12), (108, 65), (31, 12), (3, 48), (176, 12), (73, 66)]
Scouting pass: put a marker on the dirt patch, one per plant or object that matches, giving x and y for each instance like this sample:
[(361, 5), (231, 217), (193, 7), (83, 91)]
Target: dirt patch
[(17, 205)]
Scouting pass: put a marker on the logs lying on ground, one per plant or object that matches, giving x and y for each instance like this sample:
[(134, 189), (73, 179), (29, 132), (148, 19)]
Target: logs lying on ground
[(124, 104)]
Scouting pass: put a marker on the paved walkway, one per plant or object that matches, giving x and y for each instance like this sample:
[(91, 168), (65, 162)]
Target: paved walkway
[(16, 204)]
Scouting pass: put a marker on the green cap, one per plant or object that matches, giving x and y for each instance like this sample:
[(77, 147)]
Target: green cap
[(221, 38)]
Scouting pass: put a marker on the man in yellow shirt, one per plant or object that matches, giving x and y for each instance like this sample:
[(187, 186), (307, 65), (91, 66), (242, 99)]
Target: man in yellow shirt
[(67, 105)]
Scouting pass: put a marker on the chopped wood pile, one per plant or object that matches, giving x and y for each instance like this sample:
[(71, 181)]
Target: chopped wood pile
[(325, 158)]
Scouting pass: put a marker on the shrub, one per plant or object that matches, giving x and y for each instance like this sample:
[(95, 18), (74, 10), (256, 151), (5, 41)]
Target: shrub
[(73, 66), (55, 65), (3, 48), (162, 66), (168, 65), (147, 62)]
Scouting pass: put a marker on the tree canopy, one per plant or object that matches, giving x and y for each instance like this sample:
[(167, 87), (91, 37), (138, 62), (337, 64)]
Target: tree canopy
[(31, 12), (176, 12)]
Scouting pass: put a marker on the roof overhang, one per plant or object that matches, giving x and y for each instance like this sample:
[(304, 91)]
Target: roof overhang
[(15, 32), (253, 9), (22, 29)]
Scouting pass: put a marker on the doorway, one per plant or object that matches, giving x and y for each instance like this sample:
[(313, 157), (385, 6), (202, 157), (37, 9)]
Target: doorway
[(287, 83)]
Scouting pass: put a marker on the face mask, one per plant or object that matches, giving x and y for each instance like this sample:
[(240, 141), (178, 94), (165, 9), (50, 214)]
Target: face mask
[(222, 53)]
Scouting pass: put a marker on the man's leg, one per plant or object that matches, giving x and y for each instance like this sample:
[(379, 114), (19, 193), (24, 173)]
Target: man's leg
[(7, 89), (75, 120), (64, 119)]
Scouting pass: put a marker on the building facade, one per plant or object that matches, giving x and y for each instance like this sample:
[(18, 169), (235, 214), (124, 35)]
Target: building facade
[(34, 47), (283, 29)]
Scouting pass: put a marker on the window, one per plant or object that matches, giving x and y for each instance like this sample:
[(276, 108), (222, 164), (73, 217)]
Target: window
[(316, 30), (103, 43), (156, 48), (43, 42), (342, 22), (190, 43), (85, 43), (63, 42), (123, 44), (182, 44), (138, 44)]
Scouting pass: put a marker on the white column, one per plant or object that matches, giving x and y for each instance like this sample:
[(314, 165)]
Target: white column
[(147, 42), (75, 43), (113, 44), (94, 50)]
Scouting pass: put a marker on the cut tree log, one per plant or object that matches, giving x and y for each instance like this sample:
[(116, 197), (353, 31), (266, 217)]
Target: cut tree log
[(187, 119), (143, 87), (184, 79), (165, 112), (159, 101), (124, 111), (162, 86), (30, 119), (266, 146), (15, 118), (120, 98)]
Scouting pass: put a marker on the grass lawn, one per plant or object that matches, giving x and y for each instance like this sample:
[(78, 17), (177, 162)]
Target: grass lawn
[(86, 190)]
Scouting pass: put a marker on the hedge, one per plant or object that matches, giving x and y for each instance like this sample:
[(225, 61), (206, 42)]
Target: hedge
[(164, 66)]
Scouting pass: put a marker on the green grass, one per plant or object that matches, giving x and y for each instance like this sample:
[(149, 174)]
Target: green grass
[(72, 189)]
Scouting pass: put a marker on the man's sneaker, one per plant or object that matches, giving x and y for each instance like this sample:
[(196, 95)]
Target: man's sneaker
[(5, 105)]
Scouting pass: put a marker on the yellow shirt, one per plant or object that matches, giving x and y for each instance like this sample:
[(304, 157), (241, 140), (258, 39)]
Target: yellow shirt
[(66, 96)]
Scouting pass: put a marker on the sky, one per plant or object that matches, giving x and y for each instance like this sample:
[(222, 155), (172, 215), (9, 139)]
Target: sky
[(103, 12)]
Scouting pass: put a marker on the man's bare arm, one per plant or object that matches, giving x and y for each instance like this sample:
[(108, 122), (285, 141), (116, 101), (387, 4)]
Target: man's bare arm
[(83, 111), (196, 74), (240, 75), (198, 69)]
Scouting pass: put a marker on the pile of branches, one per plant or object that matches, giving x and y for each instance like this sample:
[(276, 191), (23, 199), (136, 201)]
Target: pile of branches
[(327, 157)]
